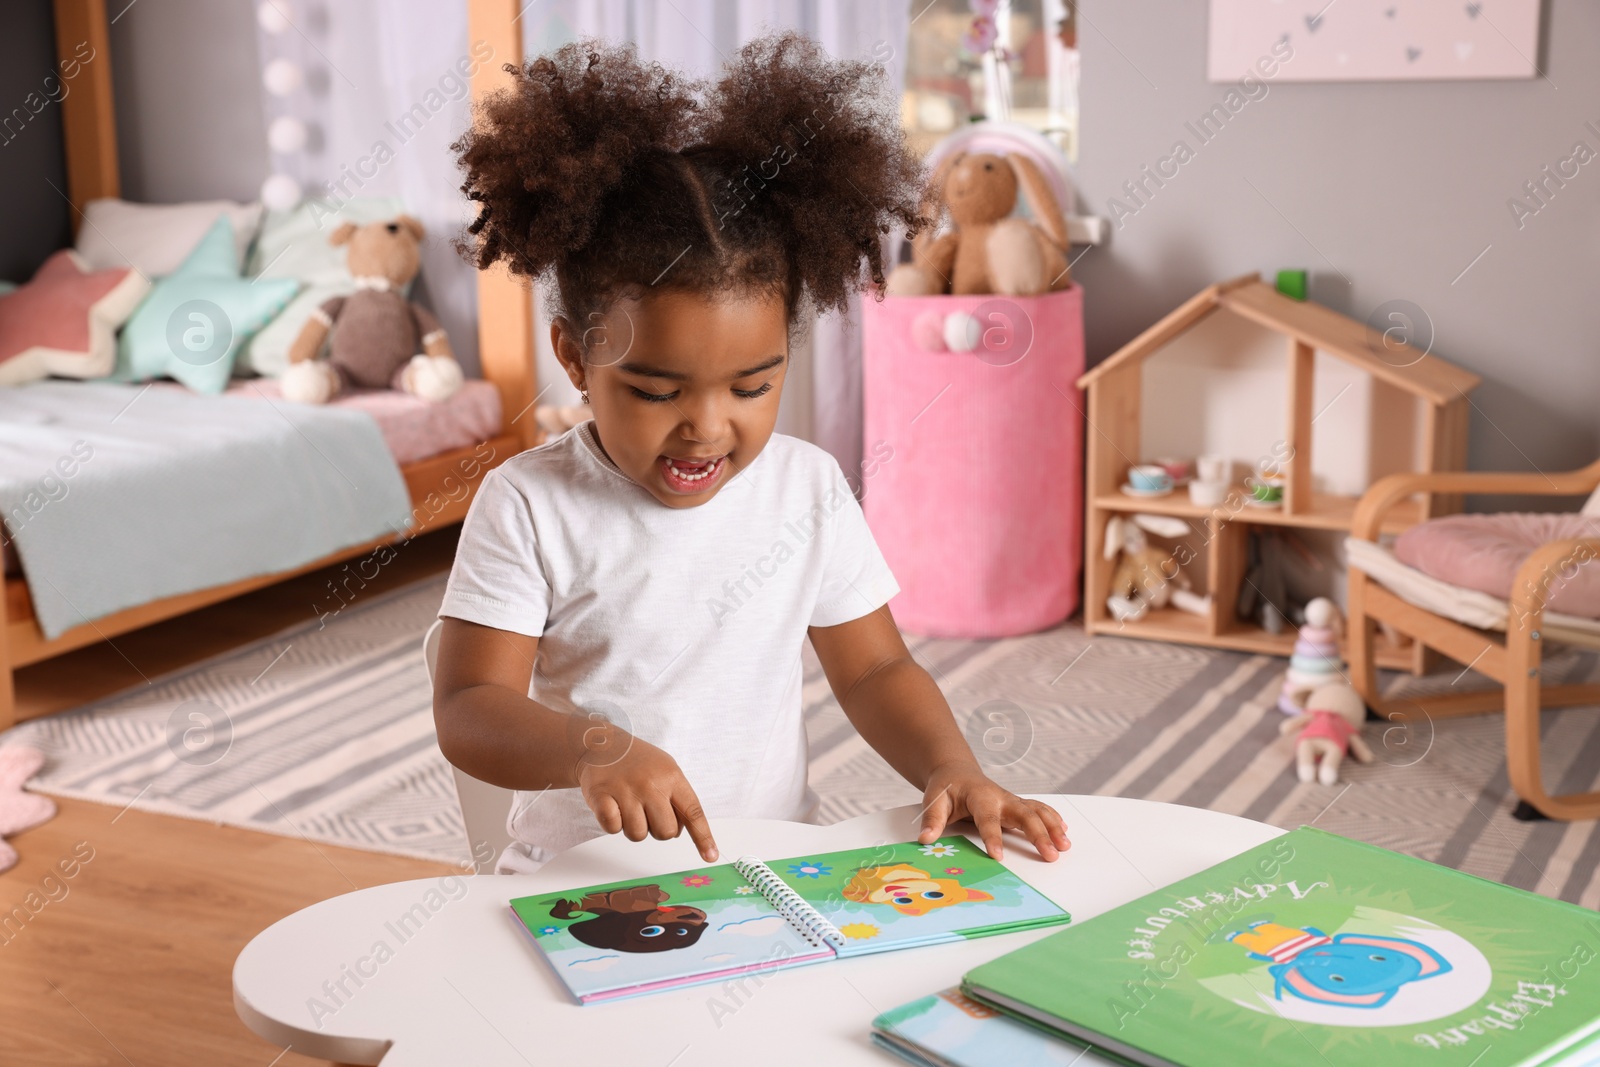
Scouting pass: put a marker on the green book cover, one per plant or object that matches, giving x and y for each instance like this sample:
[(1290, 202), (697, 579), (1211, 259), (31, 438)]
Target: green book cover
[(1314, 949)]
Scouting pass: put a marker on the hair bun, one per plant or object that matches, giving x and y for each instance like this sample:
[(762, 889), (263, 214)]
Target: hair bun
[(815, 149), (544, 153), (618, 176)]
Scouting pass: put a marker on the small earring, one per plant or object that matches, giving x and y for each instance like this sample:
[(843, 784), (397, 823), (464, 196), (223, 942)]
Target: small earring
[(584, 397)]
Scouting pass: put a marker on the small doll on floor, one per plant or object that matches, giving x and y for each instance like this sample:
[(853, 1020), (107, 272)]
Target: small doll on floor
[(1328, 728)]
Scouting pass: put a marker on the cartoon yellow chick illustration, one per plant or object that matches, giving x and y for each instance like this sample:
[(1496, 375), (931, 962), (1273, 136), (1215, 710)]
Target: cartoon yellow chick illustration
[(908, 890)]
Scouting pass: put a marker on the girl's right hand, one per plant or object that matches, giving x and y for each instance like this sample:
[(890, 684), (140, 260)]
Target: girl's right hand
[(640, 792)]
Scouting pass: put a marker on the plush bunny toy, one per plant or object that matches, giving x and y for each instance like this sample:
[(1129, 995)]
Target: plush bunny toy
[(380, 340), (1139, 578), (989, 251)]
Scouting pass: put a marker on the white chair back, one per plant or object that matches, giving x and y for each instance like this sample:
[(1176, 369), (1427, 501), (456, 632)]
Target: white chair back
[(484, 807)]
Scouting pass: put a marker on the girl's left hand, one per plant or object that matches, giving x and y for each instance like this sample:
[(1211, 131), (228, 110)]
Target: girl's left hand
[(963, 791)]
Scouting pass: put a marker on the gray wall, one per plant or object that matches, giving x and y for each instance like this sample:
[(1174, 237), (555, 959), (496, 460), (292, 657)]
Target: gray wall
[(37, 218), (1398, 186), (189, 124)]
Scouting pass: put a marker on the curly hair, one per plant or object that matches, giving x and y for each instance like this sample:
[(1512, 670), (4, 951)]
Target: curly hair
[(613, 175)]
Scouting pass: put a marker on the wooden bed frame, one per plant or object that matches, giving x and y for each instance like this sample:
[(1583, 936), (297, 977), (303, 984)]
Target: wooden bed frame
[(1512, 660), (505, 349)]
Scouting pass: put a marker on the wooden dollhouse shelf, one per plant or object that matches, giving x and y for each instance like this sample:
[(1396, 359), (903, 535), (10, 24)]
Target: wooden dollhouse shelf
[(1246, 310), (1170, 624), (1327, 511)]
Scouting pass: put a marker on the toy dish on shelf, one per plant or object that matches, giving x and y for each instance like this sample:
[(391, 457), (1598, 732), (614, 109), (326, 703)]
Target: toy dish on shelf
[(1131, 491), (1253, 502)]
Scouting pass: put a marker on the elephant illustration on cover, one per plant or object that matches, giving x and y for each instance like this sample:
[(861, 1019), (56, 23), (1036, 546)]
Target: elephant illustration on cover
[(632, 919), (1349, 970)]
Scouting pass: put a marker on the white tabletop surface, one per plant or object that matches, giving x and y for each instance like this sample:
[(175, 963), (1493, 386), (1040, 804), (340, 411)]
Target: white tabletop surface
[(466, 986)]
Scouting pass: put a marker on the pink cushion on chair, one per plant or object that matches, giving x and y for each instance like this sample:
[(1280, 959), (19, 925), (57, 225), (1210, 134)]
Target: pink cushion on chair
[(1483, 552)]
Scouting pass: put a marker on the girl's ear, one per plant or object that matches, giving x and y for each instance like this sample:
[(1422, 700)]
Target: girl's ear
[(1041, 201), (567, 342)]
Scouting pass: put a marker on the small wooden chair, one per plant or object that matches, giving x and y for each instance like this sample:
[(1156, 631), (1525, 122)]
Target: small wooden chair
[(485, 808), (1512, 659)]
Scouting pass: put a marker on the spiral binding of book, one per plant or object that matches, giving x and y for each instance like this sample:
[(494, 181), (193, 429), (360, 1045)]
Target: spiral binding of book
[(791, 905)]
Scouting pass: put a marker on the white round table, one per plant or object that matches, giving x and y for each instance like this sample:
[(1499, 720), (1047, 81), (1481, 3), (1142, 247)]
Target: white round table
[(437, 971)]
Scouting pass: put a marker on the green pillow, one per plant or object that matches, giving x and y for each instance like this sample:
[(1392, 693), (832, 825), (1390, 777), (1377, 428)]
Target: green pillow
[(196, 318)]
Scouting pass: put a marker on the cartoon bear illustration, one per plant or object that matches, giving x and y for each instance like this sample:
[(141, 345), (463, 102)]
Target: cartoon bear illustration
[(632, 919), (1350, 970), (908, 890)]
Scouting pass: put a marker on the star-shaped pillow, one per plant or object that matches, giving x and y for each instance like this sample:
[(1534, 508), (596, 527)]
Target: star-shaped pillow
[(65, 320), (196, 318)]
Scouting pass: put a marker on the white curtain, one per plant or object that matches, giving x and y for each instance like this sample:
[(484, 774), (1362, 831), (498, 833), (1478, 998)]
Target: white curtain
[(369, 63), (822, 397), (383, 98)]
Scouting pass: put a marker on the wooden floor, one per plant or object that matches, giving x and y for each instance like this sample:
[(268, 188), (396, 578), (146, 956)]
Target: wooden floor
[(128, 962)]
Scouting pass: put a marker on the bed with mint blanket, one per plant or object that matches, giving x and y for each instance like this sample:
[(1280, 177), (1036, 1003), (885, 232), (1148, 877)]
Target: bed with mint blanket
[(117, 495)]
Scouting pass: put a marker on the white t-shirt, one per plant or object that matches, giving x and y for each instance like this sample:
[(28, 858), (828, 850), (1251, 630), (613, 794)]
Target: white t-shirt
[(684, 626)]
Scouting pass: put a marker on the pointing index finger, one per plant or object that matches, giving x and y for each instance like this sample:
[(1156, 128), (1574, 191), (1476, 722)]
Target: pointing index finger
[(694, 821)]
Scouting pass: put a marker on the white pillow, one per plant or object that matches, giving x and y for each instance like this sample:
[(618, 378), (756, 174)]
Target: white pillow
[(294, 244), (154, 239)]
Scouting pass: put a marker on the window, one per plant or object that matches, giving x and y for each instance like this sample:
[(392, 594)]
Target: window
[(975, 59)]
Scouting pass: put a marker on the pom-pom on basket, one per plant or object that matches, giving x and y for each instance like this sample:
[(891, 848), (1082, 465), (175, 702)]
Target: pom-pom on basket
[(974, 431)]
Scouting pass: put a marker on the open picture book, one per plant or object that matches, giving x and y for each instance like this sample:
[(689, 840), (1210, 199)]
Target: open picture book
[(626, 938), (1315, 949)]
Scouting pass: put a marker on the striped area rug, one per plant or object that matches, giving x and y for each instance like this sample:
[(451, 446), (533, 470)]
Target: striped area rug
[(1199, 727), (325, 732)]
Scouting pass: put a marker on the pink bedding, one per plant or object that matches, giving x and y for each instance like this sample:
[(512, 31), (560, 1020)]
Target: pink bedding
[(413, 429), (1483, 552)]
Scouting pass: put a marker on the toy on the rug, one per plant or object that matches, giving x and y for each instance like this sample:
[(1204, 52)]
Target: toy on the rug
[(380, 340), (989, 250), (1315, 661), (19, 810), (1140, 580), (1328, 728)]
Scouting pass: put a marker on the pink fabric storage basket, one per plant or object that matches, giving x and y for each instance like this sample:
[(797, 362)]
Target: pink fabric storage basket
[(973, 480)]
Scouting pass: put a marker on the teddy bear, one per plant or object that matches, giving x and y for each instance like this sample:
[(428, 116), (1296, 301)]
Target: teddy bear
[(989, 251), (1328, 728), (380, 340)]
